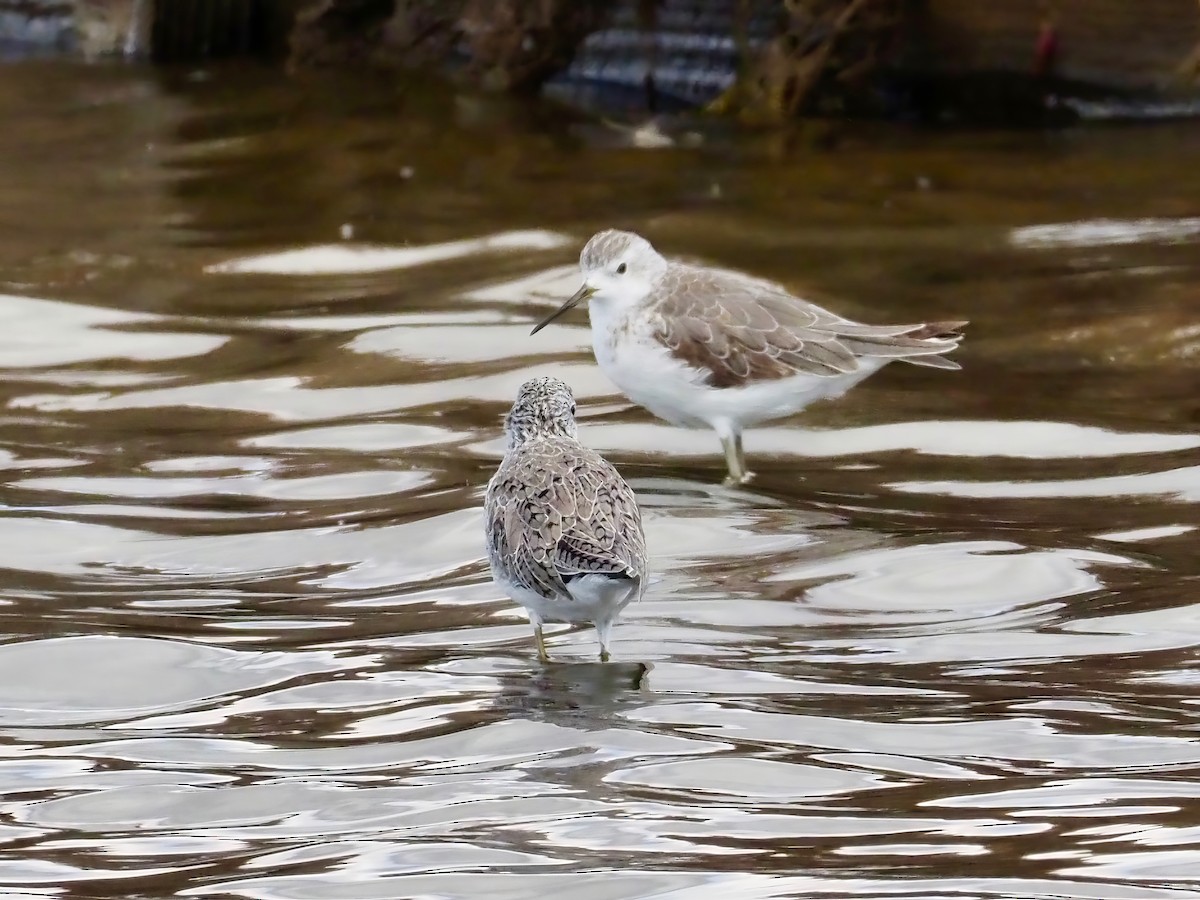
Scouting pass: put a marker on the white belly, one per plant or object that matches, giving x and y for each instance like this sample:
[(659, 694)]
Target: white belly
[(646, 373)]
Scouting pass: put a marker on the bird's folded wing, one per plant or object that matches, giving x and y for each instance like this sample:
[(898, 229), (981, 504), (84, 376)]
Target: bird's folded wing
[(579, 553), (738, 330), (554, 517), (605, 534)]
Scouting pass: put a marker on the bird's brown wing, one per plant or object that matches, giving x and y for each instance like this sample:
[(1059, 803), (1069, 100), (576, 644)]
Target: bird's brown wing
[(739, 330)]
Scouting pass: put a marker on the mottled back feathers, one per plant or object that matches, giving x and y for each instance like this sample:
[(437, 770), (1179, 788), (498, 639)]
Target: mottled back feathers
[(557, 510)]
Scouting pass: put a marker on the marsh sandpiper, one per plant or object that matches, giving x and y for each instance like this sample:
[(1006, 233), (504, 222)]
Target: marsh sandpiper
[(564, 533), (711, 348)]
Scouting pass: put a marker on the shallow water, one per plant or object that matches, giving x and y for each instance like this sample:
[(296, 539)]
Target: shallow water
[(257, 338)]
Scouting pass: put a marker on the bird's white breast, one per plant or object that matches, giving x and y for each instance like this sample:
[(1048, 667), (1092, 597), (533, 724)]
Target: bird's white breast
[(643, 369)]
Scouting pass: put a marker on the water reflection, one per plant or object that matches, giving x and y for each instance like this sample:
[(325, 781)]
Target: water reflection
[(344, 259), (944, 647)]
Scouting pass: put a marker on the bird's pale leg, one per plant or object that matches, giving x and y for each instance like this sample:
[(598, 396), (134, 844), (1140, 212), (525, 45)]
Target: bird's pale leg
[(603, 630), (741, 458), (735, 456), (543, 656)]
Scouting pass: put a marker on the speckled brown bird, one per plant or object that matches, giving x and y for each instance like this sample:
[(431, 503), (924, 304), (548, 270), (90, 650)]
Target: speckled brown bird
[(564, 533), (710, 348)]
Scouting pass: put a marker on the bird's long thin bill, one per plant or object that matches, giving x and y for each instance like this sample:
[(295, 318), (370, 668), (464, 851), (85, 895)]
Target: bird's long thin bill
[(579, 296)]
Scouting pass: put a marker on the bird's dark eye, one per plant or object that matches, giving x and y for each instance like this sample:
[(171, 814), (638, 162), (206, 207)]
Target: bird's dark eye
[(572, 409), (621, 269)]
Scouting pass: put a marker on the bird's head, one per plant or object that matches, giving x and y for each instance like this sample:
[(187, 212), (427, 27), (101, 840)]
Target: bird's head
[(619, 269)]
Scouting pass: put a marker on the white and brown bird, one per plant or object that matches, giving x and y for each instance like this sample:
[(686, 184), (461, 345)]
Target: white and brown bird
[(564, 533), (710, 348)]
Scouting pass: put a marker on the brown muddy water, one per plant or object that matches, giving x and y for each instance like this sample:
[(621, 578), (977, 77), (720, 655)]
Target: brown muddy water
[(258, 335)]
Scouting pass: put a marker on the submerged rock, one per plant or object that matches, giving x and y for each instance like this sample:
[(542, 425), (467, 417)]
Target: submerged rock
[(33, 26), (113, 27)]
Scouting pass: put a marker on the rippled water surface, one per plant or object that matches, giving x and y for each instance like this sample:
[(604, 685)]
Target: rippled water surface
[(257, 337)]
